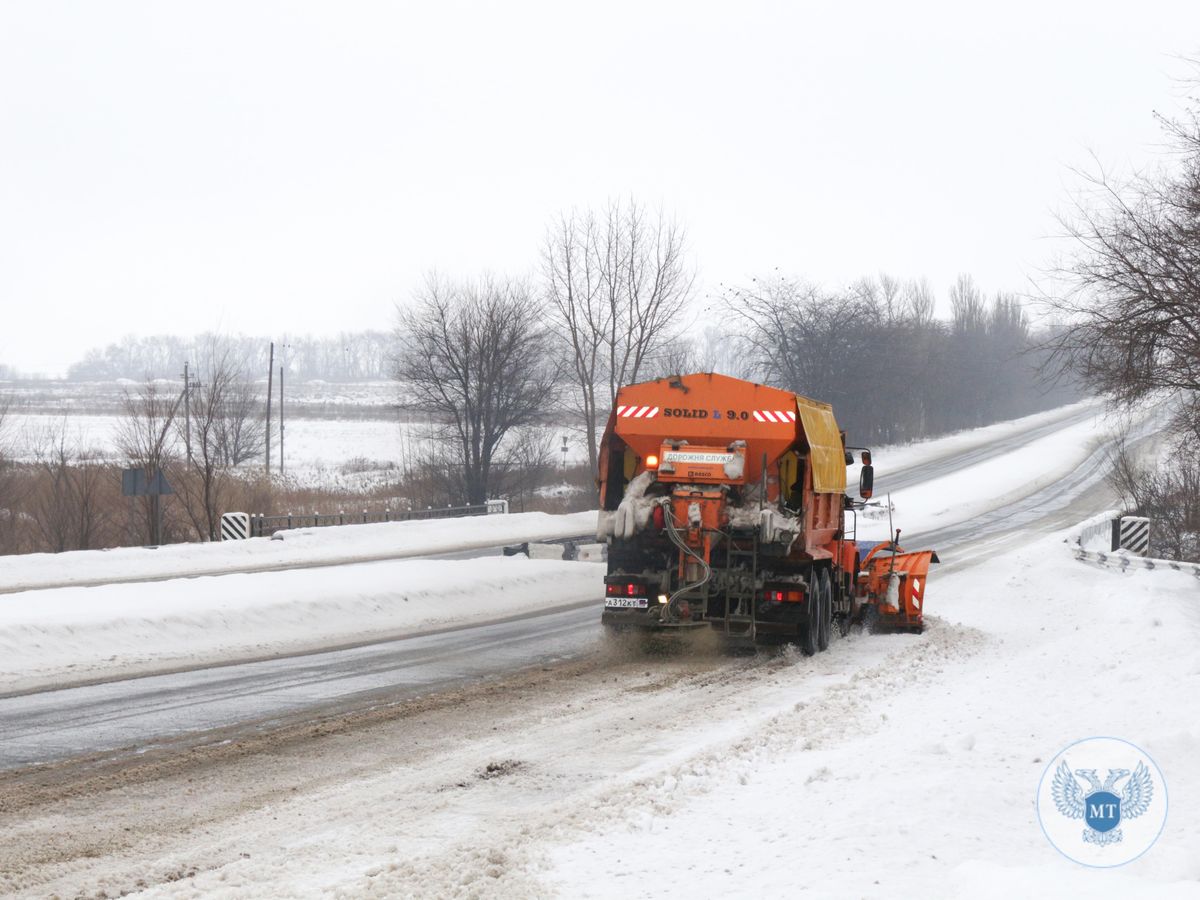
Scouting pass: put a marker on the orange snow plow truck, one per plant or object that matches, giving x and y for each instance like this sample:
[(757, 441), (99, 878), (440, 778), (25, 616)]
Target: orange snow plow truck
[(724, 507)]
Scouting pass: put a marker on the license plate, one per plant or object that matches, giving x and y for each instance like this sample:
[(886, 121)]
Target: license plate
[(626, 602)]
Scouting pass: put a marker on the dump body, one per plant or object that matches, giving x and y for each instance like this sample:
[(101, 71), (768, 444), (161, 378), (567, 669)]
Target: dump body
[(791, 448), (723, 503)]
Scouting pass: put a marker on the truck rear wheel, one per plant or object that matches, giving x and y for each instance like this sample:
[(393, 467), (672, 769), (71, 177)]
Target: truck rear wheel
[(825, 611), (810, 626)]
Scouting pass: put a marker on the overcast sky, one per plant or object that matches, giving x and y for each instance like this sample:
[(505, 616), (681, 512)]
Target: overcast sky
[(269, 167)]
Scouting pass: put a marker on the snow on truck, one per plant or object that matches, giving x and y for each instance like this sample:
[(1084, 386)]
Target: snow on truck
[(723, 504)]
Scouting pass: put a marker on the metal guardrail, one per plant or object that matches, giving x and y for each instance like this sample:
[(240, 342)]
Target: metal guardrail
[(263, 526), (1123, 560), (1105, 529), (1095, 532)]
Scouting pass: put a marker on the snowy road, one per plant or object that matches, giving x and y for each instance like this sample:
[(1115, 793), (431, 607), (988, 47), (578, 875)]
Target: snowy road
[(179, 709), (977, 451), (142, 714), (1079, 494)]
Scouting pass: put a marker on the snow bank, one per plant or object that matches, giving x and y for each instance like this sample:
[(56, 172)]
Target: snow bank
[(298, 548), (1093, 533), (917, 778), (74, 634)]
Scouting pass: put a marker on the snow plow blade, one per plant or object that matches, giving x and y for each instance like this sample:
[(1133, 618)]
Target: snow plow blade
[(893, 587)]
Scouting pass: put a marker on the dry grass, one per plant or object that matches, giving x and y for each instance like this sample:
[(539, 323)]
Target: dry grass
[(77, 504)]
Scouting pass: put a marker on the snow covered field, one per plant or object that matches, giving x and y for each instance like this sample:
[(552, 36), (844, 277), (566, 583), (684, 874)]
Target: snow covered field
[(324, 451), (349, 450)]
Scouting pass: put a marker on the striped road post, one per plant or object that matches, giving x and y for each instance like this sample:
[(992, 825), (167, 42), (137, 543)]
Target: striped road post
[(1134, 535), (235, 526)]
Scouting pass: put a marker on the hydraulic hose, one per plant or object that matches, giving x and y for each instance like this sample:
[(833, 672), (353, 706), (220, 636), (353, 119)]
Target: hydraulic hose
[(673, 534)]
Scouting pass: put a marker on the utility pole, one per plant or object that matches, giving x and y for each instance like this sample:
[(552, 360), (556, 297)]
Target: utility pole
[(281, 420), (187, 413), (270, 387), (157, 500)]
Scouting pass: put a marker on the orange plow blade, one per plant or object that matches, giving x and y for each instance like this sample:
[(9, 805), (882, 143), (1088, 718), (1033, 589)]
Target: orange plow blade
[(895, 589)]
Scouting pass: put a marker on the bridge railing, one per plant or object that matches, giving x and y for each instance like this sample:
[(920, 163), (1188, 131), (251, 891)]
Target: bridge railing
[(264, 526)]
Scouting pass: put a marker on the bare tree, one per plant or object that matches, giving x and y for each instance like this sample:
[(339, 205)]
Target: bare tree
[(884, 292), (146, 437), (51, 503), (66, 502), (1167, 492), (891, 370), (11, 493), (94, 496), (571, 271), (240, 429), (802, 337), (526, 464), (476, 359), (1131, 298), (226, 429), (617, 284), (919, 302)]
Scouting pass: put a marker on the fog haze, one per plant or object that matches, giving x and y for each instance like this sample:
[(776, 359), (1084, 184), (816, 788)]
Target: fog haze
[(263, 168)]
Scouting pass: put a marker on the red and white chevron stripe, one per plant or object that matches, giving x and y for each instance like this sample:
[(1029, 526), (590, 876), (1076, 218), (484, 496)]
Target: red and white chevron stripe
[(775, 415), (637, 412)]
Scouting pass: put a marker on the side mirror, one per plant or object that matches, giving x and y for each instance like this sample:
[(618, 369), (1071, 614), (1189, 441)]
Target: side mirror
[(866, 481)]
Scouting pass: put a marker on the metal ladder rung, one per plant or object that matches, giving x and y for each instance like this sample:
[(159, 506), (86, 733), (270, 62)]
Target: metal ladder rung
[(742, 601)]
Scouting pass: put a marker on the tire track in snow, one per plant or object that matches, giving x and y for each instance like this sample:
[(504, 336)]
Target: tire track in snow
[(506, 864)]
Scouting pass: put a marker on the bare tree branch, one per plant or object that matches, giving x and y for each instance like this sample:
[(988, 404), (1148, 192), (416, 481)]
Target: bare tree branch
[(617, 284), (476, 358)]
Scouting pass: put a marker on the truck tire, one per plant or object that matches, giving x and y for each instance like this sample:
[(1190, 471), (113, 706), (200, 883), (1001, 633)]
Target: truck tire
[(825, 611), (810, 626)]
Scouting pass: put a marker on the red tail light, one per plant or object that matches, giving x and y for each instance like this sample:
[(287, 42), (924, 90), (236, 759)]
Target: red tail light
[(788, 595), (625, 589)]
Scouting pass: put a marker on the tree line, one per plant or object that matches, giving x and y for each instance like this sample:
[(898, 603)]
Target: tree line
[(892, 370), (348, 356)]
